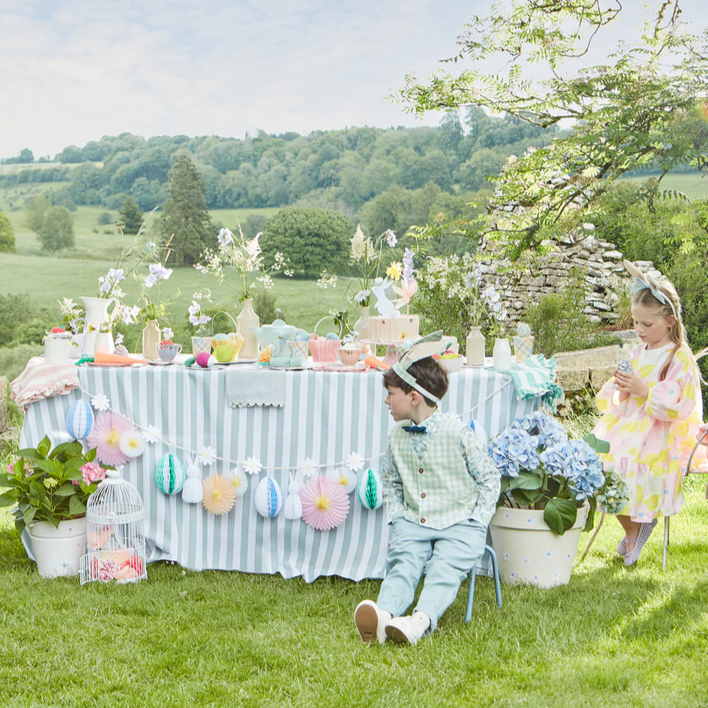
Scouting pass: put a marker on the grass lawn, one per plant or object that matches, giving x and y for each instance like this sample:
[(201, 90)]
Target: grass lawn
[(691, 184), (612, 637)]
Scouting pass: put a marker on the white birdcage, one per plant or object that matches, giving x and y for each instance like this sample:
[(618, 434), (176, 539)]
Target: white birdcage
[(115, 533)]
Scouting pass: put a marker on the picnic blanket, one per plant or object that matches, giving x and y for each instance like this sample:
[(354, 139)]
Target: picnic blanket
[(246, 386), (536, 376), (40, 380)]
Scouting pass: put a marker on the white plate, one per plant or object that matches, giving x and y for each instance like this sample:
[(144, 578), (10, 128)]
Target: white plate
[(159, 362), (238, 361)]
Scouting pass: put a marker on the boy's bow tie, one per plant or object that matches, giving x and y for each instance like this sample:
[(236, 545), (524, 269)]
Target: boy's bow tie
[(414, 428)]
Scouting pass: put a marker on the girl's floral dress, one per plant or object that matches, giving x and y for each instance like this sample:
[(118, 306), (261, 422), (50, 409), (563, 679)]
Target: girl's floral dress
[(651, 439)]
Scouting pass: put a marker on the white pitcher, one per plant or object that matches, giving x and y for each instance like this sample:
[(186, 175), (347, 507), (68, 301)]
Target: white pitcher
[(96, 315)]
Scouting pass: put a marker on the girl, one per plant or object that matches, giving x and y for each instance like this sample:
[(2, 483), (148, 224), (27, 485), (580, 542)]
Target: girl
[(650, 416)]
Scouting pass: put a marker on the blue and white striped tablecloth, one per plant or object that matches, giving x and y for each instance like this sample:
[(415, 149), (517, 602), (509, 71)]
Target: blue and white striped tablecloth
[(326, 416)]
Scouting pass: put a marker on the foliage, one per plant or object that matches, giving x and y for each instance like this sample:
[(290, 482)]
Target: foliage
[(35, 210), (559, 323), (312, 239), (185, 213), (264, 306), (105, 218), (450, 298), (7, 235), (13, 360), (542, 469), (57, 232), (46, 484), (130, 217), (638, 109)]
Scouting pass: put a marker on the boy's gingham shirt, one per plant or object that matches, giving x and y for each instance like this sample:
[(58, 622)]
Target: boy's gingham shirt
[(480, 503)]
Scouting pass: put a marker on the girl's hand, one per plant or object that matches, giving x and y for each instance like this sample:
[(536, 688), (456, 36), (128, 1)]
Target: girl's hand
[(631, 383), (702, 429)]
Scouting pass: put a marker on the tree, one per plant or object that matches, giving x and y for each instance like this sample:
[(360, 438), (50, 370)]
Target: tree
[(640, 108), (7, 235), (312, 239), (130, 217), (34, 213), (26, 156), (185, 214), (57, 232)]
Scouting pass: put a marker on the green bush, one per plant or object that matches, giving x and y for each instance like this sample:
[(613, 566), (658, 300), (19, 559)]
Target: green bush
[(13, 361), (264, 306)]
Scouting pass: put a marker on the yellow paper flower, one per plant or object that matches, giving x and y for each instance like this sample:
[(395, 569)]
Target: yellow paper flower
[(266, 355), (219, 494), (395, 270)]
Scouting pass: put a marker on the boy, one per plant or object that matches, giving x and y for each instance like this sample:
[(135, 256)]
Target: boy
[(440, 490)]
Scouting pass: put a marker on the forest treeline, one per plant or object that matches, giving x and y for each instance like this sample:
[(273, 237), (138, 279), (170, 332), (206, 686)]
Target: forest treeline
[(336, 169)]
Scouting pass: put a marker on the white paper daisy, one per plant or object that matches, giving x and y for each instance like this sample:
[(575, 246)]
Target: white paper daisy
[(344, 477), (252, 465), (151, 433), (132, 443), (100, 402), (206, 456), (355, 461), (308, 468), (238, 477)]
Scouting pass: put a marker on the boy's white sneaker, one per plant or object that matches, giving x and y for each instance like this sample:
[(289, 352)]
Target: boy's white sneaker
[(371, 621), (408, 630)]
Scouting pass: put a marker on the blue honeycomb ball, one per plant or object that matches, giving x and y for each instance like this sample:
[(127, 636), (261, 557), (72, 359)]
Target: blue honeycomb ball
[(79, 420)]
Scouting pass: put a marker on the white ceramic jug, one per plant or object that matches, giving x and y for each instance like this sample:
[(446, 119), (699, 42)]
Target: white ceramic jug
[(96, 315), (502, 354)]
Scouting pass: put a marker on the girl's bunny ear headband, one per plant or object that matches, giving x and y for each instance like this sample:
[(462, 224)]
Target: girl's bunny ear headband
[(642, 281), (420, 349)]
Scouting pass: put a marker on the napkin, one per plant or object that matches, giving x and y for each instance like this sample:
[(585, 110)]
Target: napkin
[(254, 387)]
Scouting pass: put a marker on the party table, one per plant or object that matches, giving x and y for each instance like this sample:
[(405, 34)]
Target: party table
[(325, 417)]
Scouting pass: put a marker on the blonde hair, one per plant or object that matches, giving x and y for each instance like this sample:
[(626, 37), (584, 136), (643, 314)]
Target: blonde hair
[(677, 333)]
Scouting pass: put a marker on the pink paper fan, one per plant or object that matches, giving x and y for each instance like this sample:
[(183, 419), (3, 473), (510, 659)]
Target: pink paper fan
[(325, 504), (105, 437)]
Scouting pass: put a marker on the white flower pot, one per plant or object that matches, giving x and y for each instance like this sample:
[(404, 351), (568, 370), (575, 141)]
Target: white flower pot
[(58, 551), (529, 552)]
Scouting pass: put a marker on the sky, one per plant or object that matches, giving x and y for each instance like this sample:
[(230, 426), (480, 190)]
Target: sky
[(72, 71)]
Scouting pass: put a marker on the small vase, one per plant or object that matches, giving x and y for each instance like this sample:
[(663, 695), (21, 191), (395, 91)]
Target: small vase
[(475, 347), (104, 343), (501, 354), (362, 324), (151, 338), (246, 319)]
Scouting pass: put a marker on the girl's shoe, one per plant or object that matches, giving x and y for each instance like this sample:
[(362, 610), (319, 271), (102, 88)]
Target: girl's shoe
[(622, 546), (631, 557)]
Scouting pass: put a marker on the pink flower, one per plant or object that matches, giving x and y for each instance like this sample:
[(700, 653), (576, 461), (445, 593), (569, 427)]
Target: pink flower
[(91, 472)]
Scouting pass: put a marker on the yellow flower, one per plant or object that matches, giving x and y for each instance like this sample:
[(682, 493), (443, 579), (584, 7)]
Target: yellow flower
[(394, 270)]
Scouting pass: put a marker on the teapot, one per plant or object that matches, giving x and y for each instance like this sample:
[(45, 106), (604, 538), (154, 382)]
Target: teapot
[(276, 335)]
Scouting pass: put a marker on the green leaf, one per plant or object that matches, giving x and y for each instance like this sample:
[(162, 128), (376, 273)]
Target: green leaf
[(527, 497), (66, 490), (44, 446), (30, 453), (527, 480), (7, 499), (90, 454), (29, 515), (600, 446), (590, 522), (70, 449), (52, 467), (76, 506), (560, 515)]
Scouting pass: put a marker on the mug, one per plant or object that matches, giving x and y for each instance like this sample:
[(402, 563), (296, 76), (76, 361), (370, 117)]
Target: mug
[(56, 351), (168, 352), (348, 357)]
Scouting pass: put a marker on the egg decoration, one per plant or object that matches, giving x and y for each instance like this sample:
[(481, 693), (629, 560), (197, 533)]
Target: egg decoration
[(205, 360), (369, 490), (268, 498), (79, 420), (193, 492), (169, 474)]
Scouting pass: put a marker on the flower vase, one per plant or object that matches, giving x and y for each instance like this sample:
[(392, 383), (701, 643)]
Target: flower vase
[(475, 347), (104, 343), (151, 338), (501, 354), (246, 319), (96, 315), (362, 324)]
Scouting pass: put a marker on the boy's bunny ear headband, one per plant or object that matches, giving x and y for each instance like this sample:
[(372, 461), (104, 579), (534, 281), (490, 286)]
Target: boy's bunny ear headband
[(642, 281), (420, 349)]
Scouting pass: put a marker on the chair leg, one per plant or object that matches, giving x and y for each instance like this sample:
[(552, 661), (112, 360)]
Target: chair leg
[(667, 520), (470, 594), (495, 570), (592, 538)]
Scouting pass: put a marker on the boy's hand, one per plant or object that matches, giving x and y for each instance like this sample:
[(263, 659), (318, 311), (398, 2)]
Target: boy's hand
[(631, 383)]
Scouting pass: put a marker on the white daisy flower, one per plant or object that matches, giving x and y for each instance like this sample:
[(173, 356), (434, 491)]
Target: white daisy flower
[(240, 480), (100, 402), (252, 465), (206, 456), (151, 433), (308, 467), (132, 443), (345, 477), (355, 461)]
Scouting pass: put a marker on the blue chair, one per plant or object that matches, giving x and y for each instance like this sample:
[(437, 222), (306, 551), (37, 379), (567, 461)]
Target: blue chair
[(488, 555)]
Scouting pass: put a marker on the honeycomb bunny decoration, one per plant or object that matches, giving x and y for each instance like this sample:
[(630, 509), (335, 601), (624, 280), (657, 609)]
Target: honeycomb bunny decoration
[(192, 492)]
